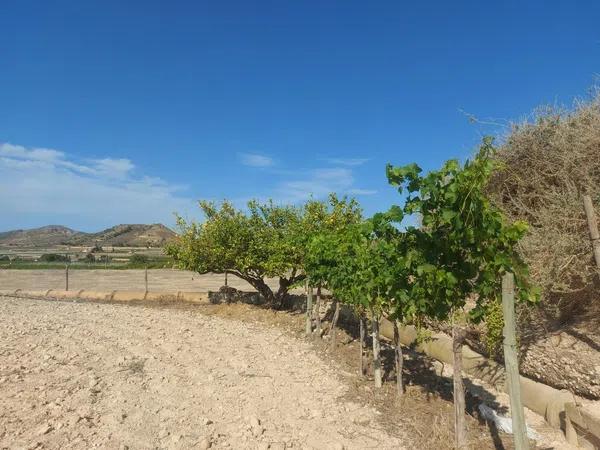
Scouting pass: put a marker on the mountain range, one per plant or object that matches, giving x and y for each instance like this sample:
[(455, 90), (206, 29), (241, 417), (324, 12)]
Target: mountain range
[(125, 235)]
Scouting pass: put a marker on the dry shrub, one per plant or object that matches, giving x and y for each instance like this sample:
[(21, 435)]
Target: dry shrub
[(546, 165)]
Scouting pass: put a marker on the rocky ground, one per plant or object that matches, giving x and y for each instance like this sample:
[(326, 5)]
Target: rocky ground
[(566, 356), (83, 375), (174, 375)]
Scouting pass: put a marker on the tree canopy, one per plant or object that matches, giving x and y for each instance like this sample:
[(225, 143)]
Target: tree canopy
[(266, 240), (464, 243)]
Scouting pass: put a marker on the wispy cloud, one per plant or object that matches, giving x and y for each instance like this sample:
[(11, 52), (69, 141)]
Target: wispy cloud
[(350, 162), (358, 191), (39, 186), (317, 183), (255, 160), (118, 168)]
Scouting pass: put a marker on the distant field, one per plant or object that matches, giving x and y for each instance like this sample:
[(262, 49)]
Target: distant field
[(79, 265), (108, 279), (76, 252), (108, 258)]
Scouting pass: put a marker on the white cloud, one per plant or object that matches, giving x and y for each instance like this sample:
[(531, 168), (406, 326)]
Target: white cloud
[(40, 186), (351, 162), (117, 168), (36, 154), (255, 160), (318, 183), (359, 191)]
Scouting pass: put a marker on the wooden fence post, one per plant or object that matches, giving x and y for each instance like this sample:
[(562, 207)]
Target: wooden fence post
[(460, 424), (226, 281), (377, 372), (511, 363), (146, 279), (66, 277), (592, 226), (309, 307), (318, 315)]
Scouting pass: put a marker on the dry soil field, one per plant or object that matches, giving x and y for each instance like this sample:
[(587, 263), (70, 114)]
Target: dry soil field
[(83, 375), (108, 280)]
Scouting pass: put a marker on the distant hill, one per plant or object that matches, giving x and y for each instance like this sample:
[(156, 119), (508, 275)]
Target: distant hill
[(136, 235), (47, 236)]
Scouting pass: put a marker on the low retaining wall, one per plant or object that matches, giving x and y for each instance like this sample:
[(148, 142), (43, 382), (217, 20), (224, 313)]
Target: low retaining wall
[(558, 407), (583, 428), (115, 296)]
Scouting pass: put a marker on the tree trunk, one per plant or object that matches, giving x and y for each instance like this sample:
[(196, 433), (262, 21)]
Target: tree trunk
[(362, 344), (282, 292), (309, 308), (460, 427), (274, 299), (399, 359), (263, 289), (376, 350), (318, 315), (336, 315)]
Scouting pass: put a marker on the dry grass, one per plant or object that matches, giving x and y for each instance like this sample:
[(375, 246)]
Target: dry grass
[(548, 163)]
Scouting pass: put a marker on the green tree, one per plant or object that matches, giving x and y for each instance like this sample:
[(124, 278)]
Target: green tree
[(267, 240), (54, 257), (137, 259), (358, 264), (462, 248)]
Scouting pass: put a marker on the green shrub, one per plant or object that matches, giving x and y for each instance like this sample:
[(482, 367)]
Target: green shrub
[(138, 259), (54, 257)]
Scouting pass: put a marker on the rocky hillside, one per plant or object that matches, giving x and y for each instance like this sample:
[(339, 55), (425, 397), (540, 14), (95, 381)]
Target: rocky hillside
[(47, 236), (136, 235)]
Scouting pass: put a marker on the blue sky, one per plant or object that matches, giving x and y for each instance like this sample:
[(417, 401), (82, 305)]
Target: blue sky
[(123, 112)]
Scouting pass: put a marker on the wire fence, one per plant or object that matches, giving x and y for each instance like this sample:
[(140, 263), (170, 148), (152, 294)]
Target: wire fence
[(158, 280)]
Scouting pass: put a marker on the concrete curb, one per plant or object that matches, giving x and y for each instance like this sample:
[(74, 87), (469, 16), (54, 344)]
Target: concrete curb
[(550, 403), (116, 296)]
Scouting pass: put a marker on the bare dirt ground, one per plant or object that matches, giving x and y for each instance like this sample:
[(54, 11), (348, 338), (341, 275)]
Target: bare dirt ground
[(83, 375), (109, 280)]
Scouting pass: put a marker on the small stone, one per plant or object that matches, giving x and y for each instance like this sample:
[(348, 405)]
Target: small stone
[(253, 422), (45, 429), (163, 433), (277, 446), (204, 444)]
